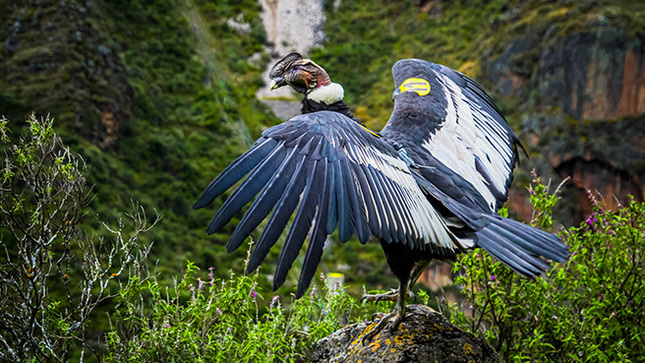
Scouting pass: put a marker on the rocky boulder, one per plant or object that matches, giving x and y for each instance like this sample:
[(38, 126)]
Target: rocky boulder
[(424, 336)]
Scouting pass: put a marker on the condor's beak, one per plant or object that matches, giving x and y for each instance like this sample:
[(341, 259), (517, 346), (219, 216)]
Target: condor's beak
[(277, 83)]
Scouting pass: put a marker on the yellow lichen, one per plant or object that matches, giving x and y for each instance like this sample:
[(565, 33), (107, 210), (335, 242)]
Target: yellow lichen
[(468, 349), (376, 344)]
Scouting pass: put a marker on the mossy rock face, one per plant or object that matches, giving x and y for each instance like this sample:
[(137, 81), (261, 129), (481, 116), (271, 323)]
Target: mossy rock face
[(57, 58), (424, 336)]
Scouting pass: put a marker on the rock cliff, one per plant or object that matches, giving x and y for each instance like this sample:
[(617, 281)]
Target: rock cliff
[(291, 26), (581, 99)]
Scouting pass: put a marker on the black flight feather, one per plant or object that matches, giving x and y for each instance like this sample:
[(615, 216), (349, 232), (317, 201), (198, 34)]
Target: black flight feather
[(529, 239), (508, 254), (370, 203), (249, 188), (299, 227), (356, 203), (344, 224), (385, 210), (318, 235), (263, 204), (280, 216)]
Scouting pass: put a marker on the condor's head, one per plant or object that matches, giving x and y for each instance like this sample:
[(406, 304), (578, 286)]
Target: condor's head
[(306, 77)]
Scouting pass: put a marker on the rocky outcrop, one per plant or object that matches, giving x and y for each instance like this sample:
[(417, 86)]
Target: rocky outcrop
[(424, 336), (56, 52), (598, 75)]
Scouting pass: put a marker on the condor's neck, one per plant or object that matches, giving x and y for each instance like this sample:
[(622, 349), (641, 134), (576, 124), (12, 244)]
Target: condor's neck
[(309, 106)]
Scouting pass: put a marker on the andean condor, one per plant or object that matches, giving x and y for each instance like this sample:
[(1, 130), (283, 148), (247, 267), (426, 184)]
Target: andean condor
[(427, 186)]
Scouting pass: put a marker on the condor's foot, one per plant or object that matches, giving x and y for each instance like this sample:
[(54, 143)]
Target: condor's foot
[(392, 295), (393, 320)]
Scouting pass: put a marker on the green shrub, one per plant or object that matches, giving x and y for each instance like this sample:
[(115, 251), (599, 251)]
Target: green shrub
[(589, 308), (53, 277), (206, 319)]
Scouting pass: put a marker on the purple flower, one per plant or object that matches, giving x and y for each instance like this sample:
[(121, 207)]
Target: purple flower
[(201, 285), (492, 278), (273, 301), (592, 218), (443, 300), (218, 311), (167, 325)]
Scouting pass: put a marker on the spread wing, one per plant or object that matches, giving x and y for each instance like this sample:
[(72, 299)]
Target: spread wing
[(332, 174), (452, 126), (464, 154)]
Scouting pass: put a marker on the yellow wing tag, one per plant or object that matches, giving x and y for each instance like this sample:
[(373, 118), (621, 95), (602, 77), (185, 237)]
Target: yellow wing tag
[(418, 85)]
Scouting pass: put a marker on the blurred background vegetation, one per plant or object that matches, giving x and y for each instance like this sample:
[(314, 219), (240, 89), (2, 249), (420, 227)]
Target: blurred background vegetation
[(159, 96)]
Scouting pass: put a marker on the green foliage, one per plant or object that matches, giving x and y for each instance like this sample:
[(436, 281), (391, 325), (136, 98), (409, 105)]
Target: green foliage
[(53, 277), (586, 309), (207, 319)]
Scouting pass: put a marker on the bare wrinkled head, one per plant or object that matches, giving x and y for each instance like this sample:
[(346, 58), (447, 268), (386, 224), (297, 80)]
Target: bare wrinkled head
[(303, 75)]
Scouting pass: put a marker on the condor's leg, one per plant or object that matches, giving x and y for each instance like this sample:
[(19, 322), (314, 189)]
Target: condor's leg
[(401, 261), (393, 295), (416, 273), (394, 318), (406, 264)]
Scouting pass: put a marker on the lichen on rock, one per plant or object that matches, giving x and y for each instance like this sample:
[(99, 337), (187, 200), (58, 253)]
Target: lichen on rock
[(424, 336)]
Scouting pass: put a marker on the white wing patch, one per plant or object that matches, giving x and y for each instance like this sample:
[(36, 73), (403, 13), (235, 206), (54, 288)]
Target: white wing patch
[(406, 205), (468, 135)]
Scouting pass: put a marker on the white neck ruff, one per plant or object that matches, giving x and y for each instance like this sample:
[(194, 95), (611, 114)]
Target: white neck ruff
[(328, 94)]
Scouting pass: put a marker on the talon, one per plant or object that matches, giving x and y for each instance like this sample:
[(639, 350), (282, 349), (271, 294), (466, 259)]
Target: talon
[(391, 320), (377, 329)]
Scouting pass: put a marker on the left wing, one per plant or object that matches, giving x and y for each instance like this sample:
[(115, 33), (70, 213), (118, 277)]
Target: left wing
[(332, 173)]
